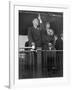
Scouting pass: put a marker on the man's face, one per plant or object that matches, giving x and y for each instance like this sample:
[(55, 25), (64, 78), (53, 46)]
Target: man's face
[(35, 22)]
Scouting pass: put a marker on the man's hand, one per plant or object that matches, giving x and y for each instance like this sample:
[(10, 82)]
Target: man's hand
[(39, 17), (50, 44), (33, 45)]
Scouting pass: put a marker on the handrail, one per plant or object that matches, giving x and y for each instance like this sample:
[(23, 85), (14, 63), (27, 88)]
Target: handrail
[(41, 50), (26, 48)]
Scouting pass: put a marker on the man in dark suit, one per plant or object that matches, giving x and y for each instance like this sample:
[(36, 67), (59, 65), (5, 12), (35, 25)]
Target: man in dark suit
[(59, 54), (48, 44), (59, 43), (47, 37), (34, 34)]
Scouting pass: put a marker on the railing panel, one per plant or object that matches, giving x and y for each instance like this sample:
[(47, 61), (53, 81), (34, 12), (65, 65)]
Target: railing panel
[(40, 63)]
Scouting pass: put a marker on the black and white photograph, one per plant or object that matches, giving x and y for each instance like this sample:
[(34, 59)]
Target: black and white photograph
[(36, 44), (40, 44)]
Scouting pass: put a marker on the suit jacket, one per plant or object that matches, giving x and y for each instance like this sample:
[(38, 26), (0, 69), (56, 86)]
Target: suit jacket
[(34, 35), (59, 44), (47, 38)]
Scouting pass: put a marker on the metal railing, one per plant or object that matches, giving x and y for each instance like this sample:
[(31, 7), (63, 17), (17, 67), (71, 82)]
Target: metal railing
[(38, 61)]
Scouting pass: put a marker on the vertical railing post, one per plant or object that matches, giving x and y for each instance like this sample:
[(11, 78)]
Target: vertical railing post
[(39, 62), (30, 61), (33, 63), (44, 61)]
